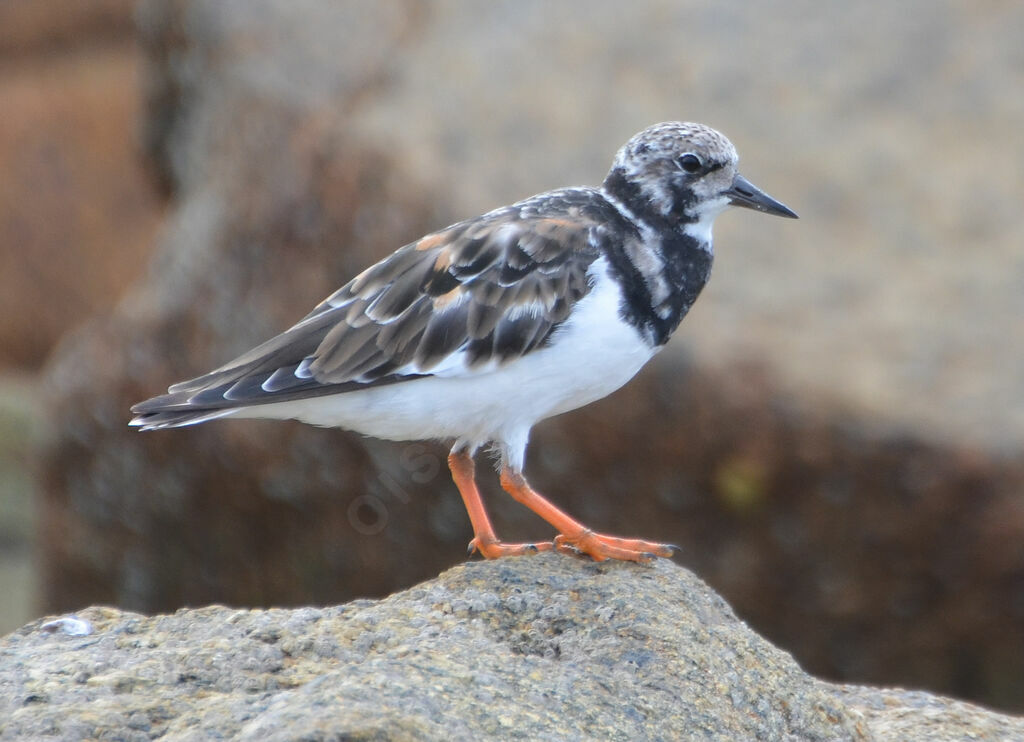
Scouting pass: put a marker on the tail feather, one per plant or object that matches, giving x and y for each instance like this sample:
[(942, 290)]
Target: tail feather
[(174, 411), (177, 418)]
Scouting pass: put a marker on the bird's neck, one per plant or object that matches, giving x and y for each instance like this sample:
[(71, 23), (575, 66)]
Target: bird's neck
[(661, 211), (664, 271), (687, 267)]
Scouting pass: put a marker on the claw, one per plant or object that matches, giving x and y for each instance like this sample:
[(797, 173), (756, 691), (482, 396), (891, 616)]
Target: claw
[(565, 547)]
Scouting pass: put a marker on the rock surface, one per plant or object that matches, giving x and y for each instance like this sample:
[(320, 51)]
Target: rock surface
[(547, 647)]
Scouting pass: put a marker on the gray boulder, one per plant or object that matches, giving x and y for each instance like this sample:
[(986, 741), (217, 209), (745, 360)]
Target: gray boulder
[(546, 647)]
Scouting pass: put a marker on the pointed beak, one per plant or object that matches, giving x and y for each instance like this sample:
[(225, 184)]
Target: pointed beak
[(744, 193)]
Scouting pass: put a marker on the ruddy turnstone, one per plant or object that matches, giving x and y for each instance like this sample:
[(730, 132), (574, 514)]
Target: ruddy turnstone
[(477, 332)]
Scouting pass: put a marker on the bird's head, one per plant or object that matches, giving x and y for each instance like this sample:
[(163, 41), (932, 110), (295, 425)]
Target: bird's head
[(684, 173)]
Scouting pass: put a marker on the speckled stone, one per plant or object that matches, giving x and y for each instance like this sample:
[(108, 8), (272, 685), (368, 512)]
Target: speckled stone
[(544, 647)]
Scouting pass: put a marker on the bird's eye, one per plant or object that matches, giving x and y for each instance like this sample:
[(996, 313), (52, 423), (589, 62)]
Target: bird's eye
[(690, 163)]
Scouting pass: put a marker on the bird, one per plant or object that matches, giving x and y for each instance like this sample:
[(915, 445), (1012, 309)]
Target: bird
[(474, 333)]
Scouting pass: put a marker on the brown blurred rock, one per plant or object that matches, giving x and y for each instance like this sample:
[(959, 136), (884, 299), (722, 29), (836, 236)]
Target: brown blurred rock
[(871, 554), (36, 27), (76, 209)]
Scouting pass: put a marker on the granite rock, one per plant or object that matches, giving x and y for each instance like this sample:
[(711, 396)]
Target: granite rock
[(546, 647)]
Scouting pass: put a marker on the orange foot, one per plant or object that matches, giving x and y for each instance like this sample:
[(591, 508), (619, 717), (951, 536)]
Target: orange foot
[(600, 547), (493, 549)]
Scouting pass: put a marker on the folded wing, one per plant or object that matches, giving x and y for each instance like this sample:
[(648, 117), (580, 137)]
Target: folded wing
[(469, 298)]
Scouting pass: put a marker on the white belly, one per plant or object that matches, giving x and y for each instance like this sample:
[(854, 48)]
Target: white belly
[(594, 353)]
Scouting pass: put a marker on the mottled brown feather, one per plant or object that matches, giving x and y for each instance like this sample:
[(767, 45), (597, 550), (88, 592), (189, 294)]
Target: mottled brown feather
[(494, 287), (502, 278)]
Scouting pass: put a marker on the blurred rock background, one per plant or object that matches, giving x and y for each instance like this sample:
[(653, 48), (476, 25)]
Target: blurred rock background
[(77, 220), (833, 438)]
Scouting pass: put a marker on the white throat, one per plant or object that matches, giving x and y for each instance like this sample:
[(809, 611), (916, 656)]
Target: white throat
[(700, 230)]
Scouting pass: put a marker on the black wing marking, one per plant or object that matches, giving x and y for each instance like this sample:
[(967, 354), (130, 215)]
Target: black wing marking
[(480, 293)]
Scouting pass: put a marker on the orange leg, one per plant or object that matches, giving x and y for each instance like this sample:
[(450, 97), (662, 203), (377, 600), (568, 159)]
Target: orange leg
[(484, 539), (573, 535)]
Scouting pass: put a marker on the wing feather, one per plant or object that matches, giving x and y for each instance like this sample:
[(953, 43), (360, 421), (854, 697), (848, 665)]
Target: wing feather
[(479, 293)]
